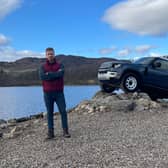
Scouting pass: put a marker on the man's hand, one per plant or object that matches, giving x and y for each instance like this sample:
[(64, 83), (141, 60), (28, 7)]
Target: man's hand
[(47, 73), (60, 70)]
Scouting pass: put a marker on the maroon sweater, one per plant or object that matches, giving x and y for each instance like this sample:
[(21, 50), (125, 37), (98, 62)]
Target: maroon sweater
[(53, 82)]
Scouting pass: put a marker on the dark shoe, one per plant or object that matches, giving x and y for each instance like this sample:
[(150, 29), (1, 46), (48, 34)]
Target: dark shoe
[(50, 134), (66, 133)]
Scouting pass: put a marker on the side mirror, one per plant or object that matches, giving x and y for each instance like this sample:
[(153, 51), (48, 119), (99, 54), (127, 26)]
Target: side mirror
[(157, 64)]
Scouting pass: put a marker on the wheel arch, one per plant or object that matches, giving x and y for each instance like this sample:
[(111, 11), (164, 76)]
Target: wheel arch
[(133, 72)]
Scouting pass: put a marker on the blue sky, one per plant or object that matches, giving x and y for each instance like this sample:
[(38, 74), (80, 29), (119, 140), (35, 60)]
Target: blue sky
[(120, 29)]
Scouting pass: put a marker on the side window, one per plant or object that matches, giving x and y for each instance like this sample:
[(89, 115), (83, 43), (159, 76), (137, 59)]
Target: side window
[(161, 64)]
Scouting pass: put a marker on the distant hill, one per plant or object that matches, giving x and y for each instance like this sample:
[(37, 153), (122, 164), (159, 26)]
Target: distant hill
[(78, 70)]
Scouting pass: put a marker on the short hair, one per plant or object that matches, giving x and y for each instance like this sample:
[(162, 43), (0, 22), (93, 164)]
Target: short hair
[(49, 49)]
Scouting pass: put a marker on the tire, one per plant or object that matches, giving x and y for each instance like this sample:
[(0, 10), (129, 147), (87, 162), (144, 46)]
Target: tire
[(130, 82), (107, 88)]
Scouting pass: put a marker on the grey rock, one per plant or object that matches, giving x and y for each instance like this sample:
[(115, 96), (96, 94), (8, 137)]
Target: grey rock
[(3, 126), (36, 116), (131, 106), (23, 119), (11, 121), (14, 132)]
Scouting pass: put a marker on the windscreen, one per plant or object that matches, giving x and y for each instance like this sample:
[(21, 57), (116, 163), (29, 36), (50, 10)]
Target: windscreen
[(144, 60)]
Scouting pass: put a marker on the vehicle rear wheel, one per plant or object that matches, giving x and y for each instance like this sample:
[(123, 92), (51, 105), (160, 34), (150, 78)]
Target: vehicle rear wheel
[(107, 88), (130, 82)]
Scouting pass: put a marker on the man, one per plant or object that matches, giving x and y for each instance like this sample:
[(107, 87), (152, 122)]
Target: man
[(51, 74)]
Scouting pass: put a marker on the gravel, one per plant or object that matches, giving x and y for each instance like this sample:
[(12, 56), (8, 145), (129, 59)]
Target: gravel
[(109, 139)]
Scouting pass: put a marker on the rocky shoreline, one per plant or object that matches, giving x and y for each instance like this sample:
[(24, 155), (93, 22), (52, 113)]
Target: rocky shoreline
[(110, 130)]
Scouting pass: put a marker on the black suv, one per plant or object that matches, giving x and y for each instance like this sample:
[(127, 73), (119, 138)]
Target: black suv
[(147, 74)]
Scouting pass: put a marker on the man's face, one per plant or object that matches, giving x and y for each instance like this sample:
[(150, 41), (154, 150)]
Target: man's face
[(50, 55)]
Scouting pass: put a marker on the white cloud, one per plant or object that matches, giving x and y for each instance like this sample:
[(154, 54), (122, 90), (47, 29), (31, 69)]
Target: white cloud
[(10, 54), (143, 17), (155, 54), (152, 54), (7, 6), (124, 52), (144, 48), (4, 40), (106, 51)]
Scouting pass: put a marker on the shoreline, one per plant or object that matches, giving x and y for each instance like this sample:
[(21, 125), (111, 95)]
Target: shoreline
[(30, 117)]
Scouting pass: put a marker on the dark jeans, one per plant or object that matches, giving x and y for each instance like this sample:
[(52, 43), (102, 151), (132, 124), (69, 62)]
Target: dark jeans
[(58, 97)]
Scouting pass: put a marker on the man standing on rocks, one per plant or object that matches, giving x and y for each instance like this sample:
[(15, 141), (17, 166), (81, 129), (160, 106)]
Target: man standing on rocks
[(51, 74)]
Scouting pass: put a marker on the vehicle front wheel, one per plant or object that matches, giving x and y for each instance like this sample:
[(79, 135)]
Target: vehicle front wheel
[(107, 88), (130, 82)]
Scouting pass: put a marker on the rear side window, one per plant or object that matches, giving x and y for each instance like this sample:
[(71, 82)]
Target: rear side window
[(164, 65)]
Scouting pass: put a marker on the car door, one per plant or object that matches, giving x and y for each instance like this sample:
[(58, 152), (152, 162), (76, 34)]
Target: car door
[(157, 74)]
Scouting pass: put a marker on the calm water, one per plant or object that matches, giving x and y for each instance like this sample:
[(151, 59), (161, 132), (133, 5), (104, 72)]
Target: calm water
[(16, 102)]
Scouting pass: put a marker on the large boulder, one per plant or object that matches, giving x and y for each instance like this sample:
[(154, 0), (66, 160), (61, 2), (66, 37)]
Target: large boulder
[(104, 102)]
